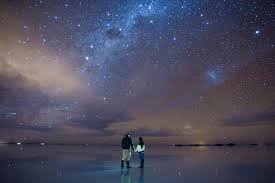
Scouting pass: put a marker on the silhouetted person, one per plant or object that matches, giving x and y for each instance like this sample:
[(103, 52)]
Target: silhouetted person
[(140, 149), (127, 146)]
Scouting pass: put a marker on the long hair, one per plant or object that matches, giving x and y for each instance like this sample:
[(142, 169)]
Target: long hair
[(141, 143)]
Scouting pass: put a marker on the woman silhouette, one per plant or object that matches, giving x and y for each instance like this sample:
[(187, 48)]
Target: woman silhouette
[(140, 149)]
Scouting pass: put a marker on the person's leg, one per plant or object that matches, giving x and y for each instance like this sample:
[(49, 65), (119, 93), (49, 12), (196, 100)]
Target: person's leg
[(128, 164), (128, 158), (141, 157), (123, 158), (143, 160)]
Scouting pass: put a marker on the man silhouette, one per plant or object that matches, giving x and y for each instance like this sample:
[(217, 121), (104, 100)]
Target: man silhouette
[(127, 146)]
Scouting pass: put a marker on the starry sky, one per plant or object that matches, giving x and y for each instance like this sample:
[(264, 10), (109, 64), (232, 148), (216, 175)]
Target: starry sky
[(177, 71)]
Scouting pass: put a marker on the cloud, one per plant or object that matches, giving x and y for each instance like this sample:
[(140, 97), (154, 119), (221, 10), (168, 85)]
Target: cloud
[(155, 133), (40, 70), (101, 120), (9, 77), (263, 118), (13, 124)]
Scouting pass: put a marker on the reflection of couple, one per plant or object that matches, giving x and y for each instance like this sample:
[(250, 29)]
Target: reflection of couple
[(126, 178), (127, 147)]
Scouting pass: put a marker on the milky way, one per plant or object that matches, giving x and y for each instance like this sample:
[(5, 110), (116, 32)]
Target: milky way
[(168, 70)]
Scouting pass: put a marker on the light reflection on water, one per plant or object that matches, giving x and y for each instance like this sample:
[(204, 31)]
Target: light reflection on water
[(162, 164)]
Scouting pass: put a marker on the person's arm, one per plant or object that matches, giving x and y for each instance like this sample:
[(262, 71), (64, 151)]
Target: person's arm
[(132, 145)]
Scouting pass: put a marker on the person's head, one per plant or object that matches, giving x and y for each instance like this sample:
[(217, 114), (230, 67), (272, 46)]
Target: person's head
[(141, 141), (127, 134)]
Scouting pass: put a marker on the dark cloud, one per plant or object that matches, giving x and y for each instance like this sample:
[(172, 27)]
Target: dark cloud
[(114, 33), (157, 133), (13, 124), (101, 119), (263, 118)]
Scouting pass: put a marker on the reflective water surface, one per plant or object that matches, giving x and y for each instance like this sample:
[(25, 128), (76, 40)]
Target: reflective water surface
[(91, 164)]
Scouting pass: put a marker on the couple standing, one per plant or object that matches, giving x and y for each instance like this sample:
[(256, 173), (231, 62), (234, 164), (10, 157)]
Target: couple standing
[(127, 147)]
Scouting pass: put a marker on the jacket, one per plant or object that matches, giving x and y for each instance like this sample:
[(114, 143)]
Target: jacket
[(127, 143), (139, 148)]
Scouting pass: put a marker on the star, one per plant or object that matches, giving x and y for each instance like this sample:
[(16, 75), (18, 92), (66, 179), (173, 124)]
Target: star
[(257, 32)]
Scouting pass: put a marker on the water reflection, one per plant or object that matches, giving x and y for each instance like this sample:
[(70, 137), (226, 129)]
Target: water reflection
[(126, 176), (141, 176), (58, 164)]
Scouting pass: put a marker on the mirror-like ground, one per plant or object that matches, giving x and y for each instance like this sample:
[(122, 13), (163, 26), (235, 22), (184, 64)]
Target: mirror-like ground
[(91, 164)]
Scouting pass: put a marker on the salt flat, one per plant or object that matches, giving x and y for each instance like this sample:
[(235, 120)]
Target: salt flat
[(162, 164)]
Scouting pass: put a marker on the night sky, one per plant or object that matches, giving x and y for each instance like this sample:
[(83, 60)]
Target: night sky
[(196, 71)]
